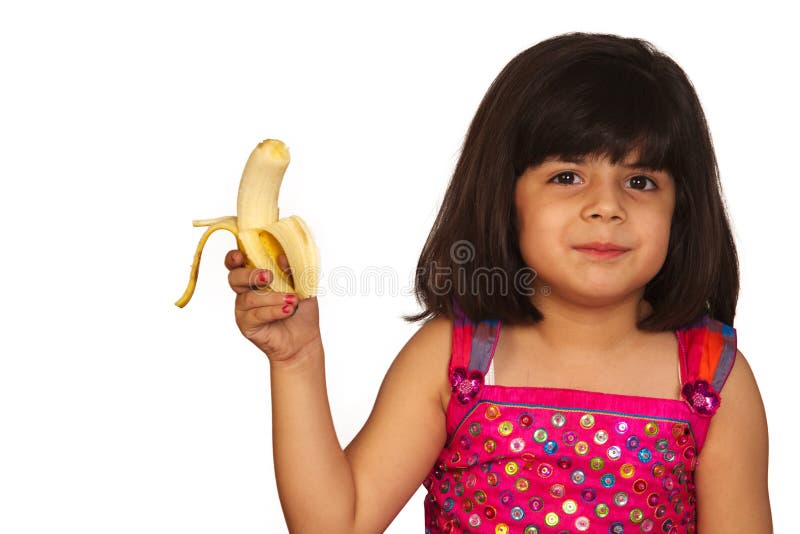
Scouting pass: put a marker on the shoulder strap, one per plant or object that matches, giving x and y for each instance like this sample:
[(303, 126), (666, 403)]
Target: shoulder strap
[(473, 343), (708, 351)]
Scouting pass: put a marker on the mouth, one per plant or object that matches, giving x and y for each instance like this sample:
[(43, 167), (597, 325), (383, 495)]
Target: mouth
[(602, 246), (601, 253), (602, 250)]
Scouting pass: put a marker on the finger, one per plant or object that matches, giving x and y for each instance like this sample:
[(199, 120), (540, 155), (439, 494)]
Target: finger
[(262, 315), (283, 263), (244, 279), (234, 259), (253, 299)]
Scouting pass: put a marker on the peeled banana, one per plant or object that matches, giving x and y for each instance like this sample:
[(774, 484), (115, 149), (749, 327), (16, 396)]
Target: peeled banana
[(260, 234)]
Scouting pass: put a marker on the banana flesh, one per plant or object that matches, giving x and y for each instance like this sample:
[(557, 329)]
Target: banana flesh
[(260, 234)]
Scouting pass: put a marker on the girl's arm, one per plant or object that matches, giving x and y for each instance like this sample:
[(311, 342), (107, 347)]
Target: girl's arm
[(359, 490), (731, 475)]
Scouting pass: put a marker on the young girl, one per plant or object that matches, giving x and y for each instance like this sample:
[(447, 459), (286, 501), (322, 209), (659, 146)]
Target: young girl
[(578, 371)]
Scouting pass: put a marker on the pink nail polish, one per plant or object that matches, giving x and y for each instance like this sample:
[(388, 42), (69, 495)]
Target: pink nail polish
[(286, 308), (262, 276), (289, 299)]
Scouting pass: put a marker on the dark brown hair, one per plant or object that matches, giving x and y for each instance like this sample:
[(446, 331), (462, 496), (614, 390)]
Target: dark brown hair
[(577, 95)]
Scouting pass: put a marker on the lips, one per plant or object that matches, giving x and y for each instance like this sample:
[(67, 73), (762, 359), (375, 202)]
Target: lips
[(602, 246)]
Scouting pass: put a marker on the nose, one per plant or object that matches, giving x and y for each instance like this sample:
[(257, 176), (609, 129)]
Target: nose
[(604, 202)]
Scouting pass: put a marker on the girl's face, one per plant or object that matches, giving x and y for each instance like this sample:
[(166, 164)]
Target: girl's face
[(562, 205)]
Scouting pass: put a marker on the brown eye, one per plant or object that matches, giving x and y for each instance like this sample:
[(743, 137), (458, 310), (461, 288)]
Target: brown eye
[(641, 180), (563, 178)]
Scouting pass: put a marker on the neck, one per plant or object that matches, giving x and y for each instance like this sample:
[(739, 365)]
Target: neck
[(579, 330)]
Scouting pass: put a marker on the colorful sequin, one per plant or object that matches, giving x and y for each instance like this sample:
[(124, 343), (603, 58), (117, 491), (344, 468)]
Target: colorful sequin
[(534, 460)]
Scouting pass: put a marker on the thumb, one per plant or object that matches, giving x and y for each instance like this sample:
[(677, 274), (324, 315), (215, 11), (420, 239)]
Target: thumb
[(283, 263)]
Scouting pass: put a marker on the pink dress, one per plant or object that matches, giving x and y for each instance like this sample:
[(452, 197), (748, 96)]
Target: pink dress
[(545, 460)]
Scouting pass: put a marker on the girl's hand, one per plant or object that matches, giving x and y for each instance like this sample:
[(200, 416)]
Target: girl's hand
[(279, 327)]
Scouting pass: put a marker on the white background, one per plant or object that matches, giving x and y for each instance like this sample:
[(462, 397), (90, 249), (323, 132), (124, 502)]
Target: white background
[(120, 123)]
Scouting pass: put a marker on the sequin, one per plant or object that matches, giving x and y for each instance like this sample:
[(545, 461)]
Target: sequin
[(557, 491), (492, 412), (505, 428), (582, 523), (601, 510), (616, 528), (536, 504), (516, 445), (651, 428), (492, 479), (620, 498), (636, 515), (614, 452), (545, 470), (647, 525), (465, 384), (464, 442), (588, 494), (600, 437), (550, 447), (517, 513), (570, 438), (644, 455), (502, 528), (564, 462), (489, 512), (596, 463), (480, 496), (607, 480), (540, 436), (512, 468), (632, 443), (578, 476), (569, 506), (474, 520), (475, 429), (448, 504), (661, 445), (669, 456), (701, 397), (640, 486), (627, 470), (525, 420), (489, 445), (551, 519), (522, 484), (621, 427), (587, 421), (581, 448), (558, 420), (531, 529), (658, 470), (506, 497)]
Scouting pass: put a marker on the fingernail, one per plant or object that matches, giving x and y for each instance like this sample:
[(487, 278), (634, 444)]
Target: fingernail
[(286, 309), (262, 276), (289, 299)]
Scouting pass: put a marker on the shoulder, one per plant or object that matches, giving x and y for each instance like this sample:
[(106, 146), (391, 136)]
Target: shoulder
[(428, 352), (741, 399), (735, 452)]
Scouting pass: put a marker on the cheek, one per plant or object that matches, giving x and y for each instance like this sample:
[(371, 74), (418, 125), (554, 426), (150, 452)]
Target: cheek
[(539, 232)]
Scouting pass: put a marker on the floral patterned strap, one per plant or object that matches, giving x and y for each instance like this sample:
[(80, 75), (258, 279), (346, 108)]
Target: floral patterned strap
[(708, 353), (473, 348)]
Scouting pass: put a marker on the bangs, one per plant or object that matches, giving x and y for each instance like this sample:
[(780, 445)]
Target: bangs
[(598, 106)]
